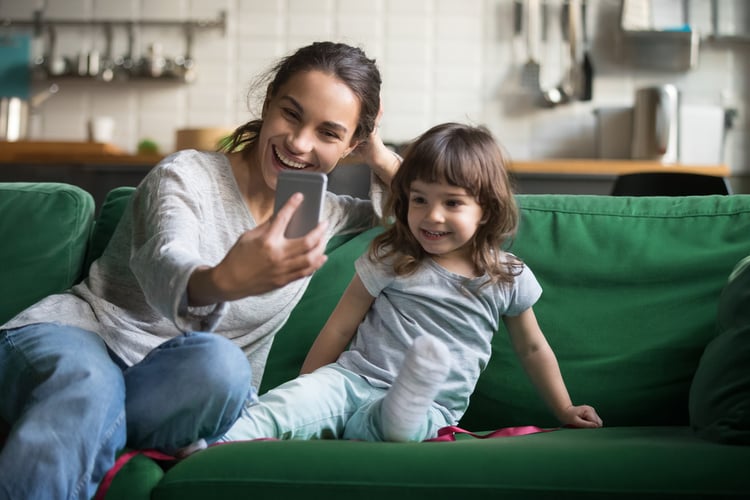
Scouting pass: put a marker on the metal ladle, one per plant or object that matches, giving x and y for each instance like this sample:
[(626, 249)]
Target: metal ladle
[(570, 85)]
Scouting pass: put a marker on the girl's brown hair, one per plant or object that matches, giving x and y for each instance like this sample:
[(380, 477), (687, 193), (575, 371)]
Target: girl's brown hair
[(464, 156), (348, 64)]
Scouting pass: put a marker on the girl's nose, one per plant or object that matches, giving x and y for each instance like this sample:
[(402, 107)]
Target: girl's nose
[(435, 213)]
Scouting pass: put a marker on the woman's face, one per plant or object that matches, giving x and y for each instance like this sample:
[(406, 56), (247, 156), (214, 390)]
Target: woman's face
[(308, 125)]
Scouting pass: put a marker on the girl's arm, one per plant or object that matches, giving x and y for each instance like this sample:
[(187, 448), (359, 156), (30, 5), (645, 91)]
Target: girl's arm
[(541, 366), (340, 327)]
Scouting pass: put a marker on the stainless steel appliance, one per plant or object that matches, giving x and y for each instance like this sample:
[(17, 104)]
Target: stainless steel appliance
[(656, 124)]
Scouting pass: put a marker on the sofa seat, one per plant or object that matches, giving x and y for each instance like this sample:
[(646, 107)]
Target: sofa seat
[(611, 462)]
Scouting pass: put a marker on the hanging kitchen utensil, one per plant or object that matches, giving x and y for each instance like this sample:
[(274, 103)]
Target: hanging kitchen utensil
[(571, 83), (587, 67), (531, 69)]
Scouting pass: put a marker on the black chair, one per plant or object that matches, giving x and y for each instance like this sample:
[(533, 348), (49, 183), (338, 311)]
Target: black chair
[(668, 184)]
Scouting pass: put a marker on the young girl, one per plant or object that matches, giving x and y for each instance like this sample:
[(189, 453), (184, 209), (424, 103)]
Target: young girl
[(162, 344), (421, 310)]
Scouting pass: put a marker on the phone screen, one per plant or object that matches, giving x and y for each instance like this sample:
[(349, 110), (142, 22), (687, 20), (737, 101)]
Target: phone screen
[(313, 186)]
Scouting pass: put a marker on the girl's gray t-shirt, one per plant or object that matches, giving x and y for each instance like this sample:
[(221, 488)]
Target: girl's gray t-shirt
[(433, 301), (187, 212)]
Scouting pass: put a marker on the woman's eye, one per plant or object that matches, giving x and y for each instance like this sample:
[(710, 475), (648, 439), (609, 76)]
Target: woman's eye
[(331, 134), (290, 113)]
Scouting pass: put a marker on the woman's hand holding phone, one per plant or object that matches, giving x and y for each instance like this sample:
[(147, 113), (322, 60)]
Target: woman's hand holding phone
[(261, 260)]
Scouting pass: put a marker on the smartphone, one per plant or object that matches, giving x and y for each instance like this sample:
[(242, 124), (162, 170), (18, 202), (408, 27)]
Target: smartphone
[(313, 186)]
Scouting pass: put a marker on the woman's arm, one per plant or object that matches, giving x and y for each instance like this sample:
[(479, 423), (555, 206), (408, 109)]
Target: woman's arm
[(340, 327), (541, 366), (380, 158)]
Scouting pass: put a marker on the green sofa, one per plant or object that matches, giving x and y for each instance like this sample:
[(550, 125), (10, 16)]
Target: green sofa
[(632, 291)]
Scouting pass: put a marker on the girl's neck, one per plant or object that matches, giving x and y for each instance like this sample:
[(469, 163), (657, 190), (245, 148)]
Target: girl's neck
[(461, 265)]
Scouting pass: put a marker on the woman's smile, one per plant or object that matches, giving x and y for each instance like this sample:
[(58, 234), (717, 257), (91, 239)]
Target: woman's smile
[(287, 161)]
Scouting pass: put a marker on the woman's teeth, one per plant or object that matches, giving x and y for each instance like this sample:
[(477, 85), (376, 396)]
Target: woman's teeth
[(288, 162)]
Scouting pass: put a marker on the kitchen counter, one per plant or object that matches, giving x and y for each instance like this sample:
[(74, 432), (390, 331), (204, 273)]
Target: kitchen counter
[(92, 153), (610, 167), (99, 167), (71, 153)]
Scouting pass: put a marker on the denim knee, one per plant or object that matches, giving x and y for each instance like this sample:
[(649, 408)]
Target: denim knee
[(191, 387), (226, 369)]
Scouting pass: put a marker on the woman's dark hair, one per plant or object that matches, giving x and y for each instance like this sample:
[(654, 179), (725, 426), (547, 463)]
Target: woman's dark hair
[(348, 64)]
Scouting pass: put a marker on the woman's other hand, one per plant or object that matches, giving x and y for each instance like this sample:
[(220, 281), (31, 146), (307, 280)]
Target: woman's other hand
[(374, 153)]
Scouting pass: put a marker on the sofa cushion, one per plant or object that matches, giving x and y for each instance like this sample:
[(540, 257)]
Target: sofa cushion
[(106, 221), (720, 393), (631, 287), (45, 229), (291, 343), (606, 463)]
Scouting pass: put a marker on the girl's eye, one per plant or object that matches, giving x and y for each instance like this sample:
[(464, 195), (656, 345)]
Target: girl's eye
[(417, 199), (454, 203)]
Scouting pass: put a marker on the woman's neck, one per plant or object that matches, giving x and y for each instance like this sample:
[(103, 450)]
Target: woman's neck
[(258, 197)]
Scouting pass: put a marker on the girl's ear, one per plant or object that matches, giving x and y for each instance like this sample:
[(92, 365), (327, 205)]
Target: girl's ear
[(485, 218)]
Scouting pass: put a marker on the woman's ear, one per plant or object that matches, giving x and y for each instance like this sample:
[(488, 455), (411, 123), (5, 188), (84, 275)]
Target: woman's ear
[(266, 101), (352, 146)]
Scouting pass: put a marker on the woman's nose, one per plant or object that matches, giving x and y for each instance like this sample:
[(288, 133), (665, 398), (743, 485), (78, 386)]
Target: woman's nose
[(300, 141)]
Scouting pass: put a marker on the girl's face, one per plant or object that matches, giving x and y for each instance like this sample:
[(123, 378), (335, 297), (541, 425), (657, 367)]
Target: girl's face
[(308, 125), (444, 218)]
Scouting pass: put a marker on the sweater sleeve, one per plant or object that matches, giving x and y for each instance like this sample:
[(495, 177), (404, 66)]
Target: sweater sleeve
[(167, 226)]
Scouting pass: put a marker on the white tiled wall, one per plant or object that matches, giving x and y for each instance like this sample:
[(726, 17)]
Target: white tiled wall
[(440, 59)]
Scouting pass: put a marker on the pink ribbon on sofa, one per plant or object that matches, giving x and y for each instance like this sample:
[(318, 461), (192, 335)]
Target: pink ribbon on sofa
[(449, 433)]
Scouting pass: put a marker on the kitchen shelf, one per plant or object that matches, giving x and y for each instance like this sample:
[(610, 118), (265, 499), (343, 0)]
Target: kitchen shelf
[(39, 23), (107, 68)]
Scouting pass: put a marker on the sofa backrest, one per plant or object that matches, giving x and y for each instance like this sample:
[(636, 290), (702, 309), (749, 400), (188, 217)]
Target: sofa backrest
[(44, 232), (629, 303)]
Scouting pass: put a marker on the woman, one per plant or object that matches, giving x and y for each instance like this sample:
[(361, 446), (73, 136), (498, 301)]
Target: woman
[(125, 357)]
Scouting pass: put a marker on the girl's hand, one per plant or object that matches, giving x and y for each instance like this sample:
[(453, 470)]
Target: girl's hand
[(581, 416), (260, 261)]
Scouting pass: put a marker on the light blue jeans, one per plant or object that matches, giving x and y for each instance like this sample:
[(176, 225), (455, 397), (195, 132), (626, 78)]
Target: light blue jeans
[(330, 403), (72, 405)]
